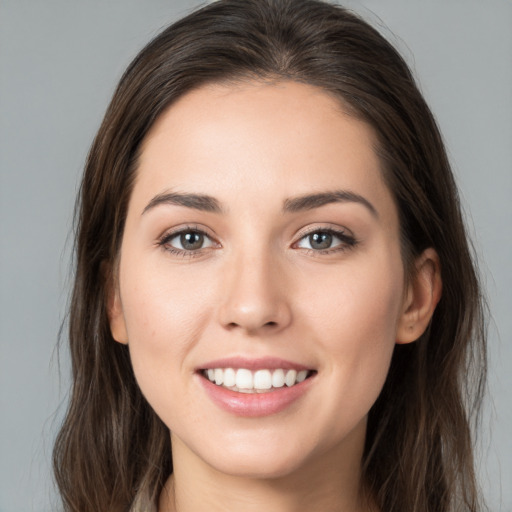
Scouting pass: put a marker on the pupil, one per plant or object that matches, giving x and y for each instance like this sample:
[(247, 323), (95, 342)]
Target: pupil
[(191, 241), (320, 240)]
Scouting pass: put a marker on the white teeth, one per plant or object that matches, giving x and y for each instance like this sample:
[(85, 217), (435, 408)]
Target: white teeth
[(262, 379), (278, 379), (302, 375), (219, 376), (291, 375), (229, 377), (246, 381)]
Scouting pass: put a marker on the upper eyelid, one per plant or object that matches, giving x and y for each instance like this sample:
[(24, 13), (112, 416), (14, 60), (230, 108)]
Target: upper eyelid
[(301, 232), (173, 232), (165, 239), (341, 233), (336, 230), (343, 239)]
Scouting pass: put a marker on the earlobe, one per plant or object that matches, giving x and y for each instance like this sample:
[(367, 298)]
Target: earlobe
[(423, 294), (115, 313)]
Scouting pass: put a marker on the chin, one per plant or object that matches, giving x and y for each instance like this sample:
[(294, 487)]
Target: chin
[(260, 468), (262, 455)]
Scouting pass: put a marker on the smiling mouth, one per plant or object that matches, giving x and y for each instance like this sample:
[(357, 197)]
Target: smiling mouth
[(243, 380)]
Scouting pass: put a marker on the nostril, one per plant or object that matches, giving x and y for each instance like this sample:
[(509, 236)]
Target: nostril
[(269, 324)]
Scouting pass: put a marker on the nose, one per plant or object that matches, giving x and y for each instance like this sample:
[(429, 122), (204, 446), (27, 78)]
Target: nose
[(255, 296)]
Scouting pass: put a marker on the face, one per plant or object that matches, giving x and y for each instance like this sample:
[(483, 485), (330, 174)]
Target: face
[(261, 251)]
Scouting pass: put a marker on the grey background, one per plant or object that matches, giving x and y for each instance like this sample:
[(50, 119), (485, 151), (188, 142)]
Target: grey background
[(59, 63)]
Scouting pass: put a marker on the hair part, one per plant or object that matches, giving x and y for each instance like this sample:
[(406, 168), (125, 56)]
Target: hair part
[(113, 453)]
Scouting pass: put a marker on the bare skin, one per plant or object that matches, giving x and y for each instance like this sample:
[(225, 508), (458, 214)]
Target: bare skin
[(317, 283)]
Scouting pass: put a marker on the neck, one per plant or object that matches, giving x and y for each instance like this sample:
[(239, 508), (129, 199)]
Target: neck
[(324, 484)]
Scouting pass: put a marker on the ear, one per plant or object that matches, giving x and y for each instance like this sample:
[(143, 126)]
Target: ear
[(422, 295), (115, 310)]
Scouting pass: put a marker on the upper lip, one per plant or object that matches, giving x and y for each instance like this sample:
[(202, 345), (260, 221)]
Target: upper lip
[(260, 363)]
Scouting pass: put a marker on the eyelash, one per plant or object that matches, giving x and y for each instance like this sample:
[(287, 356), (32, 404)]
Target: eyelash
[(167, 237), (347, 241)]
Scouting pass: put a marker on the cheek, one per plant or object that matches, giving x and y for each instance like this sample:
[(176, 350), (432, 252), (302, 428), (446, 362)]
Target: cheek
[(165, 316), (354, 321), (358, 302), (160, 302)]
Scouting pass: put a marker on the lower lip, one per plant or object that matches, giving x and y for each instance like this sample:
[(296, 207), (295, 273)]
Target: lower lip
[(255, 404)]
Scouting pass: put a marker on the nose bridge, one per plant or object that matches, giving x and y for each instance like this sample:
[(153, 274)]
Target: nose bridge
[(254, 296)]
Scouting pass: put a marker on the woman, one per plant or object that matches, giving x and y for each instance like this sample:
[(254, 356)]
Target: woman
[(275, 305)]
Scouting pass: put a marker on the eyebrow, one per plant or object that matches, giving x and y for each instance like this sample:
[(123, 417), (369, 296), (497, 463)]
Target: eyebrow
[(210, 204), (311, 201), (200, 202)]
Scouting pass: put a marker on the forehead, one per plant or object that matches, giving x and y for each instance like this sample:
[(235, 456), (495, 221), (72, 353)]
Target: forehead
[(275, 138)]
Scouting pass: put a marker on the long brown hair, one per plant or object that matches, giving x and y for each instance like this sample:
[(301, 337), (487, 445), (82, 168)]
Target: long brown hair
[(113, 453)]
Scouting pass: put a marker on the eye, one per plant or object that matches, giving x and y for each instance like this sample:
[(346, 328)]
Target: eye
[(326, 240), (186, 241)]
